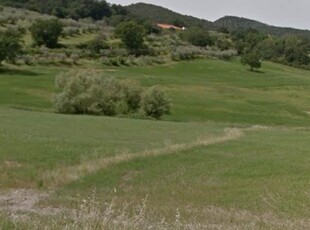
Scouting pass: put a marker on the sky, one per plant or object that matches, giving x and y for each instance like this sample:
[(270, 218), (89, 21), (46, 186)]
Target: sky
[(288, 13)]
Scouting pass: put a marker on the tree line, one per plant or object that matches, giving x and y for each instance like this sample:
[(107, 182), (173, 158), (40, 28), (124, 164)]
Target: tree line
[(255, 47), (252, 46), (75, 9)]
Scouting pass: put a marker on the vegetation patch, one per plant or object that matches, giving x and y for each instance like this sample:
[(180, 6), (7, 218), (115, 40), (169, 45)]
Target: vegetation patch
[(87, 93), (153, 123)]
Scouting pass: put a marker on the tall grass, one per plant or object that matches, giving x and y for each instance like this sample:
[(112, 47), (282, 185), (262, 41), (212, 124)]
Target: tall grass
[(90, 214)]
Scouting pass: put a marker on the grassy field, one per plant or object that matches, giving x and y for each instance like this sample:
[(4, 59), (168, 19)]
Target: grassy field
[(233, 154), (204, 90)]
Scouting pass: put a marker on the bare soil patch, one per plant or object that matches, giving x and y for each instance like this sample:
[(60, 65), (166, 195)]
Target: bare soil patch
[(19, 203)]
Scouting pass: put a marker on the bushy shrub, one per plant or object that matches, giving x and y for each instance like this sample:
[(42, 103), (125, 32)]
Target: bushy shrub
[(155, 103), (87, 93), (73, 98), (131, 94)]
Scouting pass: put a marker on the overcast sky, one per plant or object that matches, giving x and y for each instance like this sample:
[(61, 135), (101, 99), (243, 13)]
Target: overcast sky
[(289, 13)]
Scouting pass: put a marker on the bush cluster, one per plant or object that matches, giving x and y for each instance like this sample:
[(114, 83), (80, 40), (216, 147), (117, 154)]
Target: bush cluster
[(187, 53), (44, 56), (87, 93), (133, 61), (222, 54)]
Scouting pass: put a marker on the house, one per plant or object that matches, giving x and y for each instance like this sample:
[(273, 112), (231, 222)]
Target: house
[(168, 26)]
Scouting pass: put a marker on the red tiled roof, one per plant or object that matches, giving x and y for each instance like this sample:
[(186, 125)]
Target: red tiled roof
[(168, 26)]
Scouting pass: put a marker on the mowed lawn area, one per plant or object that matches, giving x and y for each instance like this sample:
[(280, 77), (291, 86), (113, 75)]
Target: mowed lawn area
[(233, 154)]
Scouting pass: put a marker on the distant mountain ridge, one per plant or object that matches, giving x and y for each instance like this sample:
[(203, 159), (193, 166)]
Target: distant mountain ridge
[(160, 14), (98, 9), (234, 23)]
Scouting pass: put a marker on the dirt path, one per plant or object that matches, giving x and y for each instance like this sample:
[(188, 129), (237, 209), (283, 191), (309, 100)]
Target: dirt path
[(18, 203), (65, 175), (25, 201)]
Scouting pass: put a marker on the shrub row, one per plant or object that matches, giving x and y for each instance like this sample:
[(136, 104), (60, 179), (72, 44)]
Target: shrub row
[(132, 61), (48, 58)]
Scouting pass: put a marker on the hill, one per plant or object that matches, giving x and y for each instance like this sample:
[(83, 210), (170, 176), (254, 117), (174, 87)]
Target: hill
[(65, 8), (97, 10), (160, 14), (233, 23)]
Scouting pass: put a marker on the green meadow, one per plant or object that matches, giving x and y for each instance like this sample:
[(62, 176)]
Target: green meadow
[(233, 154)]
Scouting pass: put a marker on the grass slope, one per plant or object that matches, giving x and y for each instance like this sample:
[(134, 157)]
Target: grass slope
[(228, 92), (203, 90)]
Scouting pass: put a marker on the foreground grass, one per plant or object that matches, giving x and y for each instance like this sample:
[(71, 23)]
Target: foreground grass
[(256, 181), (263, 171), (34, 142), (237, 157)]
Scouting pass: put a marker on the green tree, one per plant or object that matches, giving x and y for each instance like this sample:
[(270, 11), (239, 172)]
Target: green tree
[(91, 8), (197, 37), (296, 51), (247, 40), (59, 12), (253, 59), (10, 45), (271, 48), (46, 32), (132, 35), (179, 23)]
